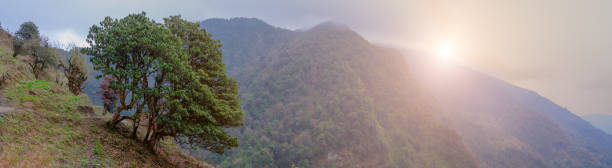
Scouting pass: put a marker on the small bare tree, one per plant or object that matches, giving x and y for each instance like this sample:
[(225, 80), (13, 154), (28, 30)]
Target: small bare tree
[(76, 71), (41, 55)]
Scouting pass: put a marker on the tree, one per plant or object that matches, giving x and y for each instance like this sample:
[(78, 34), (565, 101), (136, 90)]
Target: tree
[(41, 54), (209, 100), (109, 95), (29, 42), (130, 50), (173, 74), (28, 30), (76, 71), (27, 33)]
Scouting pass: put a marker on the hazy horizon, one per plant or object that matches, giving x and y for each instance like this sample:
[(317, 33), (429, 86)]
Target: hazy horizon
[(539, 45)]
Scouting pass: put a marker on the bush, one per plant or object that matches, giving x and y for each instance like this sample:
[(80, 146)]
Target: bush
[(76, 71)]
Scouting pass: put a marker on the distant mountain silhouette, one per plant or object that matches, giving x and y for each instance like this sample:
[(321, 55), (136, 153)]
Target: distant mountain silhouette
[(507, 126), (601, 121)]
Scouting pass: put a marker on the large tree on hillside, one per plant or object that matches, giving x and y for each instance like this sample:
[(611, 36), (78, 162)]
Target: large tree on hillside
[(212, 102), (172, 75), (131, 50)]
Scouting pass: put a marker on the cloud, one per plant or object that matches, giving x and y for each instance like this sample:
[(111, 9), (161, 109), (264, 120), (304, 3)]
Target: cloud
[(66, 38)]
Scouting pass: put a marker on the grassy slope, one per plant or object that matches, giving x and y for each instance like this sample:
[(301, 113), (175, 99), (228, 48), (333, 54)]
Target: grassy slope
[(49, 129)]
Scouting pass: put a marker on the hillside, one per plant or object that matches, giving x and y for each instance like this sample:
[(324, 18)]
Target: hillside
[(507, 126), (328, 98), (601, 121), (42, 124), (6, 42)]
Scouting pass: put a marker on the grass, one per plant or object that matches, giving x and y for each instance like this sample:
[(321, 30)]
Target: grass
[(41, 131), (12, 70), (46, 130)]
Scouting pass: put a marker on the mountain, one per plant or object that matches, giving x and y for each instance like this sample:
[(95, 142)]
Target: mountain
[(601, 121), (507, 126), (326, 97)]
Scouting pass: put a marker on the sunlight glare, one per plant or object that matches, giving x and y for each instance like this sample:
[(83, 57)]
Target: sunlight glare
[(446, 52)]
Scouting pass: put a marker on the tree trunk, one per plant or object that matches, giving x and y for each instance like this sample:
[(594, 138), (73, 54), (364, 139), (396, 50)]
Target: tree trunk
[(135, 130), (146, 138), (111, 123)]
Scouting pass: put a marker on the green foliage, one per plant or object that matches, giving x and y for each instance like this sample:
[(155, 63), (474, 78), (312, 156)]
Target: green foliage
[(27, 30), (132, 50), (327, 98), (172, 74), (26, 35), (211, 101)]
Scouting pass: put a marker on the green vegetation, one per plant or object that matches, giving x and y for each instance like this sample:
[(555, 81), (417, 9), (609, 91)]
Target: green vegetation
[(12, 70), (328, 98), (47, 130), (49, 126), (171, 76), (41, 54), (41, 131), (28, 31)]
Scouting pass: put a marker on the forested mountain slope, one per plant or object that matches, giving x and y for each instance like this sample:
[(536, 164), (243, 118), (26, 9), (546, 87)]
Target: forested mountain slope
[(327, 97), (507, 126)]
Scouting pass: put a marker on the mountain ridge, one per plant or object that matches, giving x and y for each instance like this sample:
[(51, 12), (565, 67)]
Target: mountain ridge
[(549, 134), (317, 100), (298, 87), (601, 121)]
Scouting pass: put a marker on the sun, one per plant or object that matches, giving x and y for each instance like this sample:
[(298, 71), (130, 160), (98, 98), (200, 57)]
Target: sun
[(446, 52)]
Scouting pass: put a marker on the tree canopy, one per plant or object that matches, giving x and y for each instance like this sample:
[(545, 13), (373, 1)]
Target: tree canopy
[(28, 30), (171, 75)]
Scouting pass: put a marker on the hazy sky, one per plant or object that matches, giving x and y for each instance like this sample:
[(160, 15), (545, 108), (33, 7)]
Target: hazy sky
[(558, 48)]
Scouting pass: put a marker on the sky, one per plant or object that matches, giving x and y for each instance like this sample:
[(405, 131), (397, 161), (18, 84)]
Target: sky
[(558, 48)]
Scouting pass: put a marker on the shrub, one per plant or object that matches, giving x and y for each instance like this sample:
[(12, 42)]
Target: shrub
[(76, 71)]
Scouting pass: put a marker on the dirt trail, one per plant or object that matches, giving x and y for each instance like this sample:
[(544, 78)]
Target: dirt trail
[(87, 121)]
